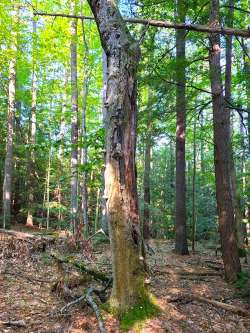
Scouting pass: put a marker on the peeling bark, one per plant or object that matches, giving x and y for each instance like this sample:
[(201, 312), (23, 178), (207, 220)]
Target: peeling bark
[(120, 173)]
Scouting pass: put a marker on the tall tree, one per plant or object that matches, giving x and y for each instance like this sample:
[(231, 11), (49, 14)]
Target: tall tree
[(8, 163), (84, 150), (228, 98), (32, 141), (181, 246), (120, 174), (74, 121), (222, 156)]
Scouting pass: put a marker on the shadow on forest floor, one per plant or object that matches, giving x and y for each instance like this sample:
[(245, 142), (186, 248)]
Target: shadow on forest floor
[(26, 281)]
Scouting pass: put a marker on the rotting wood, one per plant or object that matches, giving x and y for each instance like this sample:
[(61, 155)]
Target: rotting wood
[(165, 24), (99, 276)]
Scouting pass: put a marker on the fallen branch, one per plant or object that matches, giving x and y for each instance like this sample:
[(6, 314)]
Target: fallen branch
[(94, 306), (90, 301), (17, 323), (96, 274), (188, 273), (228, 307), (164, 24)]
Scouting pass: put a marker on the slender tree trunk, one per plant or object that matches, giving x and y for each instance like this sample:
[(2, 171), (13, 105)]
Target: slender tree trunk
[(181, 246), (97, 209), (120, 173), (104, 220), (61, 138), (48, 190), (194, 188), (84, 151), (146, 185), (74, 123), (29, 221), (8, 163), (222, 156), (247, 75), (172, 179)]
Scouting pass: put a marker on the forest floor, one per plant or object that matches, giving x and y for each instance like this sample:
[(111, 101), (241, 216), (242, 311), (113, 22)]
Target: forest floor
[(27, 278)]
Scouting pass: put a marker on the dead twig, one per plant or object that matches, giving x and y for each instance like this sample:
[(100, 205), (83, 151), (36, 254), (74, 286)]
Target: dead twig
[(17, 323)]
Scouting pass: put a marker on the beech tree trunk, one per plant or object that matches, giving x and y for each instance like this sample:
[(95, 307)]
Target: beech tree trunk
[(29, 221), (120, 173), (181, 246), (74, 123), (222, 156), (247, 75), (8, 163)]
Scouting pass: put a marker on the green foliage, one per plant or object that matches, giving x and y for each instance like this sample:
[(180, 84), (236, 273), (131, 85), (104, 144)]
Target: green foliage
[(243, 286)]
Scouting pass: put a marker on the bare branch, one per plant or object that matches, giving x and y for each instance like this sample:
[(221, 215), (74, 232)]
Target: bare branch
[(165, 24)]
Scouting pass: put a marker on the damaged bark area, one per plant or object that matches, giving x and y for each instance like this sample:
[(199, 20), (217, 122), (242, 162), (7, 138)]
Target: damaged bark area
[(120, 174)]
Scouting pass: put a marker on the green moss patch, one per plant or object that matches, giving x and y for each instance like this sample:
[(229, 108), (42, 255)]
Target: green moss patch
[(137, 314)]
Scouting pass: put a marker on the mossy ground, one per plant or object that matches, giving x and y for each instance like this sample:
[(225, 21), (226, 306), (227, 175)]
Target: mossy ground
[(137, 314)]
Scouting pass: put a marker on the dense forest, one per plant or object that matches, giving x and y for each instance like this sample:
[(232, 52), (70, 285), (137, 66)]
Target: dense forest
[(125, 170)]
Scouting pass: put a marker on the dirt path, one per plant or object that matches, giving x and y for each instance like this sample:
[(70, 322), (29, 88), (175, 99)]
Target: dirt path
[(26, 282)]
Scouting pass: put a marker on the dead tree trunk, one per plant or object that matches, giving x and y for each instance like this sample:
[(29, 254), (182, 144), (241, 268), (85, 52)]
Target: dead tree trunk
[(120, 173), (222, 151), (181, 246)]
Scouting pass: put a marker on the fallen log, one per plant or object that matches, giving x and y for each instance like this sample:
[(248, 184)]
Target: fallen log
[(228, 307), (99, 276), (25, 235), (188, 273)]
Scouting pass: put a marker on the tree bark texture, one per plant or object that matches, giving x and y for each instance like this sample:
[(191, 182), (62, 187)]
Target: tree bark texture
[(84, 150), (8, 163), (74, 123), (222, 152), (120, 173), (181, 246), (29, 221), (228, 97), (146, 185)]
